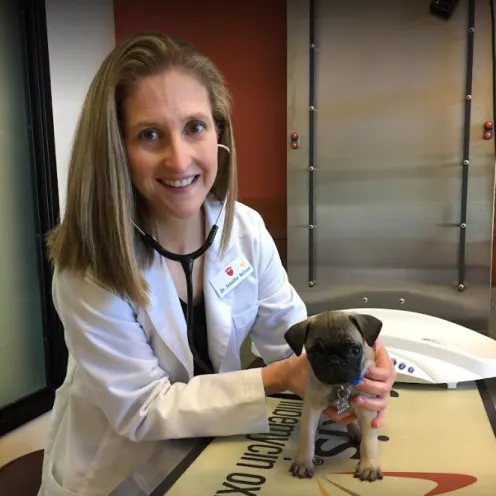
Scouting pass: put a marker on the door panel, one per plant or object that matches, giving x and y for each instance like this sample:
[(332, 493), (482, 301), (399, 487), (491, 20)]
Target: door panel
[(389, 124)]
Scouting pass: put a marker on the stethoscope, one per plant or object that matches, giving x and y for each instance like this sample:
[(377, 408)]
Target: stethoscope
[(187, 262)]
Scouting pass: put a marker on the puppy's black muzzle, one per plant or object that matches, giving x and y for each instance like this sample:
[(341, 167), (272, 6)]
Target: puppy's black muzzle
[(333, 367)]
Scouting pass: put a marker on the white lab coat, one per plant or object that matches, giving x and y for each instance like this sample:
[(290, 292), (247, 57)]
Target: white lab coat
[(130, 402)]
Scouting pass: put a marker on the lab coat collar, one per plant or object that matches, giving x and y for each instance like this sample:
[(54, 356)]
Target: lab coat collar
[(212, 208), (218, 310), (165, 310)]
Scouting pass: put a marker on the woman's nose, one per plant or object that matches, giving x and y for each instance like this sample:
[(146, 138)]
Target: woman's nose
[(177, 155)]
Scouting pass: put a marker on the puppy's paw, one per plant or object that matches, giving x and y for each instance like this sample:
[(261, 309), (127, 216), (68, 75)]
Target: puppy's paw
[(302, 469), (368, 470)]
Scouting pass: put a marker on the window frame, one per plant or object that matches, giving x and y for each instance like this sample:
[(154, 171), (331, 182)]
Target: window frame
[(43, 161)]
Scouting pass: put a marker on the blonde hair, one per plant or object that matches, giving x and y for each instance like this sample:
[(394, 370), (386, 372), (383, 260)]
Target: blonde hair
[(97, 232)]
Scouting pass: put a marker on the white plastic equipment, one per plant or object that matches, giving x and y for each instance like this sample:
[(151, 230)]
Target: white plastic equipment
[(427, 349)]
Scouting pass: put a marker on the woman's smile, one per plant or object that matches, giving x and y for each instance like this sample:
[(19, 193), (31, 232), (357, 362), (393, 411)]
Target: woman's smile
[(171, 142)]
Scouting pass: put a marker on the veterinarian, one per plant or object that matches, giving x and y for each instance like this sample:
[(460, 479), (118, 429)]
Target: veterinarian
[(152, 180)]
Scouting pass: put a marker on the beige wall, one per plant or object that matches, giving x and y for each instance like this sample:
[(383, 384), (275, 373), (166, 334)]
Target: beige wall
[(80, 34)]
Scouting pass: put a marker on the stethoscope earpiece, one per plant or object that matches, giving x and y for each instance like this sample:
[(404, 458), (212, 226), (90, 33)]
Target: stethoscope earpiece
[(224, 147)]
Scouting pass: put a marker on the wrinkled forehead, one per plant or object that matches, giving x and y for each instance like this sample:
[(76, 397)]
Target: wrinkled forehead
[(334, 326), (166, 99)]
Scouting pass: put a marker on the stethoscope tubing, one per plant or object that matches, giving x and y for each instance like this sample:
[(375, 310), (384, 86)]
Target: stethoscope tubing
[(187, 263)]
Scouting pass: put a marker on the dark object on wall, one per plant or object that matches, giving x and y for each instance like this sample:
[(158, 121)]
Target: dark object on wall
[(488, 130), (22, 476), (466, 145), (295, 141), (443, 8)]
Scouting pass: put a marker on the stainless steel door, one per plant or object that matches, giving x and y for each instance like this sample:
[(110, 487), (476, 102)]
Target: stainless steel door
[(389, 123)]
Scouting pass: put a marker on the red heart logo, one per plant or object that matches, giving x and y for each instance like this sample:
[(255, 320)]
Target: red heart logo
[(229, 271)]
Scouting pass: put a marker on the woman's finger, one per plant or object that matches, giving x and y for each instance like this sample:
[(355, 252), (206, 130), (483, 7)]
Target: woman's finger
[(373, 387), (381, 356), (371, 404), (382, 374), (344, 420), (378, 419)]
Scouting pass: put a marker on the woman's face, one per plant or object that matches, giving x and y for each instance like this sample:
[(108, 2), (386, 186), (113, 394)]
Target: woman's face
[(171, 143)]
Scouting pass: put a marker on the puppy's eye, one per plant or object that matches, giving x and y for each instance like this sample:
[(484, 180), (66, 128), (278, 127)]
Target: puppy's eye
[(355, 350)]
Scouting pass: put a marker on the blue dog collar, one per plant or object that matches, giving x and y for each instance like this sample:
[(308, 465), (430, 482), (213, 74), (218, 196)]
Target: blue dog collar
[(358, 379)]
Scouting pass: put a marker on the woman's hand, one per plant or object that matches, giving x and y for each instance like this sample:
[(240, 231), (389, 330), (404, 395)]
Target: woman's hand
[(378, 380), (292, 375), (295, 374), (296, 377)]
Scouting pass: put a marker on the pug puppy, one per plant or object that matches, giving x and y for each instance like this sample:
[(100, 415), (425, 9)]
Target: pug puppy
[(339, 351)]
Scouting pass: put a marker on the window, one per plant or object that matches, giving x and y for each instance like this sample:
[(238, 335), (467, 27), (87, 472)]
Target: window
[(33, 356)]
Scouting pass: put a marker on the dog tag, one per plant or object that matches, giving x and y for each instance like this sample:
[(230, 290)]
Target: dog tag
[(343, 404)]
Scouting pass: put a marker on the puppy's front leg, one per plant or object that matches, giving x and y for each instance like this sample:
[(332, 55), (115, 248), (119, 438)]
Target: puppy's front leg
[(368, 468), (303, 465)]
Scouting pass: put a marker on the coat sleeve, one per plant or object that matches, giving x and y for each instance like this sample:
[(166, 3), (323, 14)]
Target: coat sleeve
[(122, 376), (280, 306)]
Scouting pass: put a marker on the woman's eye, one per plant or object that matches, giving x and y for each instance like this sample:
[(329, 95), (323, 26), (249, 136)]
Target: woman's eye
[(195, 128), (149, 135)]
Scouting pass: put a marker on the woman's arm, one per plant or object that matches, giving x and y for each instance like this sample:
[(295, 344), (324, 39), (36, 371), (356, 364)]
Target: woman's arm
[(123, 376), (280, 306)]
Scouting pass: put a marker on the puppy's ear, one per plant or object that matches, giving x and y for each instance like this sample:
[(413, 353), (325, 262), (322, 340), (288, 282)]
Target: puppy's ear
[(296, 336), (368, 325)]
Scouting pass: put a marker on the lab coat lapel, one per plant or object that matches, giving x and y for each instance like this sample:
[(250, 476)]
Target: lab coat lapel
[(218, 310), (166, 314)]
